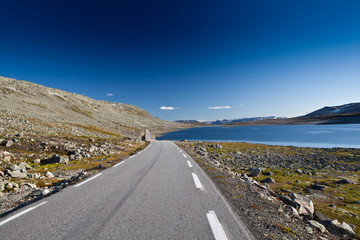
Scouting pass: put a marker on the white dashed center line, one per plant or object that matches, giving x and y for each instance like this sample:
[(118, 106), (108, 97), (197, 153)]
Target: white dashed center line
[(216, 226), (184, 155), (87, 180), (189, 163), (197, 182), (19, 214)]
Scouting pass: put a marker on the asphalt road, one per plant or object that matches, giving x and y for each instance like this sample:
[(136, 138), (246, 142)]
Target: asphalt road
[(159, 193)]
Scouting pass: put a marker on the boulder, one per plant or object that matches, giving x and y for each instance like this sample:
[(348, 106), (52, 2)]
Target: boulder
[(255, 172), (24, 165), (268, 180), (9, 143), (2, 187), (291, 211), (306, 206), (267, 173), (56, 159), (14, 167), (345, 181), (317, 186), (17, 173), (49, 174), (341, 230), (288, 201), (298, 171), (318, 226)]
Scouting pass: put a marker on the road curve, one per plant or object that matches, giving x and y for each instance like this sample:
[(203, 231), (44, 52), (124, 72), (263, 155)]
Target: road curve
[(159, 193)]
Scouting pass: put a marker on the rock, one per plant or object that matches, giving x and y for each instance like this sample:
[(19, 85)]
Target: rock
[(9, 143), (318, 226), (8, 185), (291, 211), (17, 174), (37, 161), (298, 171), (2, 174), (267, 173), (341, 230), (268, 180), (288, 201), (45, 191), (344, 181), (2, 187), (355, 202), (24, 165), (49, 174), (14, 167), (55, 159), (255, 172), (317, 186), (6, 156), (306, 207), (30, 185), (332, 205), (309, 230)]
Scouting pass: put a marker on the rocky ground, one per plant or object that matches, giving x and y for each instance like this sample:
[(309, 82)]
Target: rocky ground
[(287, 192), (33, 167)]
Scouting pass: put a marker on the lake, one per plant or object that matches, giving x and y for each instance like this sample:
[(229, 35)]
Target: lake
[(327, 136)]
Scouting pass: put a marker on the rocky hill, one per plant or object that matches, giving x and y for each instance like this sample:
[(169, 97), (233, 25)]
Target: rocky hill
[(25, 106), (350, 108)]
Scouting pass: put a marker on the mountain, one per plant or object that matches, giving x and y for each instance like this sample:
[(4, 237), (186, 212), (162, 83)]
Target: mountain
[(228, 121), (26, 106), (350, 108)]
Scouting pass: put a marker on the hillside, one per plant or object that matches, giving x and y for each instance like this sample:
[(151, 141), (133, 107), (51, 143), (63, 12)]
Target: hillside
[(42, 110)]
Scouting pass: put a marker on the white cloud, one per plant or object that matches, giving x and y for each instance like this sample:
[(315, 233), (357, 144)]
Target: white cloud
[(220, 107), (109, 94), (168, 108)]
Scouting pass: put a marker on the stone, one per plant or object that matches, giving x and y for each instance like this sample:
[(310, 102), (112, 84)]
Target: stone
[(24, 165), (255, 172), (345, 181), (317, 186), (18, 174), (291, 211), (30, 185), (14, 167), (318, 226), (288, 201), (45, 191), (37, 161), (341, 230), (298, 171), (267, 173), (49, 174), (8, 185), (2, 187), (56, 159), (309, 230), (9, 143), (306, 207), (268, 180), (355, 202), (2, 174)]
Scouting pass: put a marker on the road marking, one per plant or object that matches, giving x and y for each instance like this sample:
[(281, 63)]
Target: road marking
[(118, 164), (180, 151), (19, 214), (189, 163), (216, 227), (197, 182), (132, 156), (87, 180), (184, 155)]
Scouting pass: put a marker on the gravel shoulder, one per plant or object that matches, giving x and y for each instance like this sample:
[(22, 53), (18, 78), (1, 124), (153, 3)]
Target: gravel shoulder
[(230, 166)]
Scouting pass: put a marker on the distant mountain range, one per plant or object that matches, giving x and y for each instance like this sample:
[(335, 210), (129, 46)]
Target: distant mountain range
[(347, 113)]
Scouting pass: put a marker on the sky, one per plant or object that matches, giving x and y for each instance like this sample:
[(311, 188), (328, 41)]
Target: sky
[(186, 59)]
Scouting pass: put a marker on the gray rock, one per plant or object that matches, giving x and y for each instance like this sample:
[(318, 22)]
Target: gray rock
[(317, 186), (318, 226), (298, 171), (56, 159), (268, 180), (306, 207), (45, 191), (49, 174), (291, 211), (255, 172), (2, 187), (8, 185), (288, 201), (24, 165), (341, 230), (345, 181), (309, 230), (17, 174), (356, 202), (267, 173), (9, 143), (2, 174), (37, 161), (14, 167)]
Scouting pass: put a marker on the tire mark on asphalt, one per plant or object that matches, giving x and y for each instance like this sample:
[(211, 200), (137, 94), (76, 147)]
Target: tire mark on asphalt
[(123, 200)]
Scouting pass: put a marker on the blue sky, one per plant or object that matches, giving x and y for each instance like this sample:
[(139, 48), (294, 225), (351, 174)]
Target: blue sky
[(254, 58)]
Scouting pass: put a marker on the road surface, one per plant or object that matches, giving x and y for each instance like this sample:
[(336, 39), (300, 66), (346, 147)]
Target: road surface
[(159, 193)]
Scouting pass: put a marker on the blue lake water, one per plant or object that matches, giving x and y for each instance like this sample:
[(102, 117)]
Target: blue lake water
[(327, 136)]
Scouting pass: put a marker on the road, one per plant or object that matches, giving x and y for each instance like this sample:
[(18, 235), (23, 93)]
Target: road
[(159, 193)]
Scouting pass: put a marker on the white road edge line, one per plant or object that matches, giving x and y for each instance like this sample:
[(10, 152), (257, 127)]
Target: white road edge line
[(21, 213), (216, 226), (197, 182), (87, 180), (189, 163), (118, 164), (131, 156), (184, 155)]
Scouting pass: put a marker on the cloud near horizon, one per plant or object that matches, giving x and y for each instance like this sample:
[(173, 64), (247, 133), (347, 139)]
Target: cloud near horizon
[(219, 107), (109, 94), (168, 108)]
